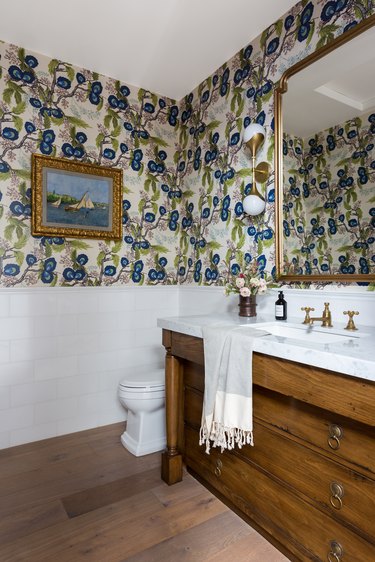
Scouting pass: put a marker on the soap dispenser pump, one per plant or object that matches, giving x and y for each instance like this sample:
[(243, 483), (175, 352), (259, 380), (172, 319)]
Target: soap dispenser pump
[(280, 307)]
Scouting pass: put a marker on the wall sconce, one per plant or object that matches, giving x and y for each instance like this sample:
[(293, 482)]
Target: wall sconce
[(253, 137)]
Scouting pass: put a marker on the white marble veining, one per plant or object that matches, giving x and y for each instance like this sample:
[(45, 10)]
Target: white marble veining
[(353, 355)]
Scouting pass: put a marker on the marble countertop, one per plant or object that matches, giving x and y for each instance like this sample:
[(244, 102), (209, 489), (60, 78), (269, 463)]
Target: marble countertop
[(353, 356)]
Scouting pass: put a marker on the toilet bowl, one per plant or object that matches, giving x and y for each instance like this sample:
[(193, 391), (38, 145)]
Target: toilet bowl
[(142, 393)]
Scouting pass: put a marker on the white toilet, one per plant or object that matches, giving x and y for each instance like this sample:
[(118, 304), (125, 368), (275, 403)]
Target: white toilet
[(142, 393)]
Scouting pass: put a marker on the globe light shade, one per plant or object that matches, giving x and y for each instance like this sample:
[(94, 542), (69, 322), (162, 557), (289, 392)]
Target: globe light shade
[(251, 130), (253, 205)]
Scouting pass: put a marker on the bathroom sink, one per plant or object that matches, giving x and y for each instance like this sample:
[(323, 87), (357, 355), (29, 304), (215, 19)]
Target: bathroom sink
[(313, 334)]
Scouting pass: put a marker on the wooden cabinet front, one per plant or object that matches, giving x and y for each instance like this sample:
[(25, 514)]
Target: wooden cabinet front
[(305, 531), (308, 484), (339, 437)]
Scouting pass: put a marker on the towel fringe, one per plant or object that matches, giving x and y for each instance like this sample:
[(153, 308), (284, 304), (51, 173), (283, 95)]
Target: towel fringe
[(224, 437)]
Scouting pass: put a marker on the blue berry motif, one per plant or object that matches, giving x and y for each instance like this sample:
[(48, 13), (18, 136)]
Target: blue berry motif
[(17, 208), (31, 61), (109, 270), (328, 11), (238, 209), (9, 133), (11, 269), (289, 20), (149, 217), (81, 137), (63, 82), (30, 259), (82, 259), (124, 90), (96, 90), (272, 46), (247, 52), (109, 153), (29, 127)]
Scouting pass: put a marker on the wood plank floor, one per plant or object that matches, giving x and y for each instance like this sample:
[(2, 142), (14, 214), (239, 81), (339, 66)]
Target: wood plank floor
[(83, 497)]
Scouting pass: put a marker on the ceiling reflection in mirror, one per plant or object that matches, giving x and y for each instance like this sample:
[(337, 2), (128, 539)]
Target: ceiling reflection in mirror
[(328, 174)]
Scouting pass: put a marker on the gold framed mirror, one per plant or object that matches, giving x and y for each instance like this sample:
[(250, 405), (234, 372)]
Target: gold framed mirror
[(325, 162)]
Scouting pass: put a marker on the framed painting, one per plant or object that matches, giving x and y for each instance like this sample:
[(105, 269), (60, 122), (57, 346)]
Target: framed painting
[(75, 199)]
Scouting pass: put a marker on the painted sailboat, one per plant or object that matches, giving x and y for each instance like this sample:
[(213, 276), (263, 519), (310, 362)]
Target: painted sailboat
[(56, 203), (84, 203)]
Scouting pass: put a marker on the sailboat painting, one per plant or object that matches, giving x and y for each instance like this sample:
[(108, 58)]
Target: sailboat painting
[(84, 203), (76, 199), (56, 203)]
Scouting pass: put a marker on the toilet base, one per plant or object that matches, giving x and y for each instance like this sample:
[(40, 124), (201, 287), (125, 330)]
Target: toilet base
[(145, 430), (145, 448)]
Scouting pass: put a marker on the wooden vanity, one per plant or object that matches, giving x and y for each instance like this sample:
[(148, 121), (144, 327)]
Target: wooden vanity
[(308, 484)]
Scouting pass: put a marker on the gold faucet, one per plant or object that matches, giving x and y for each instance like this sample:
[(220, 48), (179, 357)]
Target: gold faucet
[(351, 326), (325, 319), (307, 310)]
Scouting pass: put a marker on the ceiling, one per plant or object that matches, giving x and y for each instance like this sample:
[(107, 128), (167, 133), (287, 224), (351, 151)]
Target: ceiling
[(334, 89), (168, 46)]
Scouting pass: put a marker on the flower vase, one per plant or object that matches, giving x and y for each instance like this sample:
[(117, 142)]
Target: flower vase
[(248, 306)]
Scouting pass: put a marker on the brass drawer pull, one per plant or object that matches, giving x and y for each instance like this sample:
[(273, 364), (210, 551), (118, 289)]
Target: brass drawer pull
[(219, 466), (337, 493), (336, 552), (335, 433)]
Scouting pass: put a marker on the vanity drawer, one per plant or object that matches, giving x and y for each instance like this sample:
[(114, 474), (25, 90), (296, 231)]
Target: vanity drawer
[(289, 519), (342, 395), (305, 470), (342, 493), (340, 437), (313, 425)]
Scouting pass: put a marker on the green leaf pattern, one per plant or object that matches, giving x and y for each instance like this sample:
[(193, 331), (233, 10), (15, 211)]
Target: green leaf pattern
[(186, 170), (329, 214)]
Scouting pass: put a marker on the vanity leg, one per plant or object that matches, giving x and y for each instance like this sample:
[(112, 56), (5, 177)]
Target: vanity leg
[(171, 461)]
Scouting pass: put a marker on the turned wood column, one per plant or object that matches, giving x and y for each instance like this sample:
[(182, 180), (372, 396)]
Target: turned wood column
[(171, 467)]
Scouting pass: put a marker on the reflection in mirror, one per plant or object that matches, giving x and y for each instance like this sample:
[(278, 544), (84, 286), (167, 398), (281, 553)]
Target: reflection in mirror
[(327, 201)]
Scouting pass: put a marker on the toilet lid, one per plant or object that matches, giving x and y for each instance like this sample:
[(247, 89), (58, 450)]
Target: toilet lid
[(145, 378)]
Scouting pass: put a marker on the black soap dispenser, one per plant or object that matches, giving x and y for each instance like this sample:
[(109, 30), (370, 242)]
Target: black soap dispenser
[(280, 307)]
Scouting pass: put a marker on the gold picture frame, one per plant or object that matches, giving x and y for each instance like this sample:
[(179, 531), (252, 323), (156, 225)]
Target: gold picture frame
[(75, 199)]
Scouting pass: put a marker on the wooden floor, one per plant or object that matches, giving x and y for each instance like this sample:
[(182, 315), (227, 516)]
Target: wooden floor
[(82, 497)]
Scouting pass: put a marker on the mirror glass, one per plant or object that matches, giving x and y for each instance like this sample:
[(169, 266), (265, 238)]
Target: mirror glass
[(326, 195)]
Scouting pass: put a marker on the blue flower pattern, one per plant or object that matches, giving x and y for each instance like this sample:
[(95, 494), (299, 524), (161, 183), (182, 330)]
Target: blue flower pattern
[(329, 223), (186, 172)]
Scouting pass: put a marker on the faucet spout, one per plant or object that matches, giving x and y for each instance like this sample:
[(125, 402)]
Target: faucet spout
[(317, 319), (325, 318)]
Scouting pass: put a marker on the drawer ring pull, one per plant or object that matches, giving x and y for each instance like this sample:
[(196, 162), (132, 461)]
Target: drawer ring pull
[(334, 443), (335, 433), (336, 552), (336, 502), (337, 493), (332, 557), (219, 466)]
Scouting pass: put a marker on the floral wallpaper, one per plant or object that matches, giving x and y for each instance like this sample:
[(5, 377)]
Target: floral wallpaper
[(52, 108), (217, 239), (185, 169), (329, 210)]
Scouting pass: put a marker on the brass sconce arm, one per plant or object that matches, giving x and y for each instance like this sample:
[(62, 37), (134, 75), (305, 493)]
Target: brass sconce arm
[(254, 202)]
